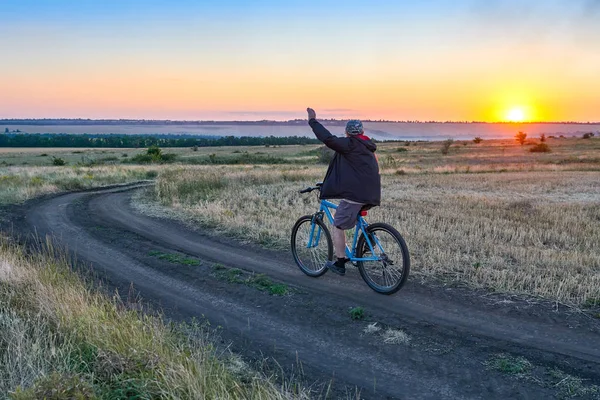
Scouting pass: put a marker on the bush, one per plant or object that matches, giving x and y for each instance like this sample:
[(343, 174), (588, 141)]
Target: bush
[(154, 151), (521, 137), (542, 138), (588, 135), (325, 154), (477, 140), (153, 155), (401, 150), (540, 148), (58, 161), (446, 146)]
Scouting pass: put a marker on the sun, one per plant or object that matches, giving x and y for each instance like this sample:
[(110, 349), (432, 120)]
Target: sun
[(516, 114)]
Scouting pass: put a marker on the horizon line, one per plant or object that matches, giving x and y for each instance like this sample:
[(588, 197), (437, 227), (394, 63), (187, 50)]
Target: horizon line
[(26, 120)]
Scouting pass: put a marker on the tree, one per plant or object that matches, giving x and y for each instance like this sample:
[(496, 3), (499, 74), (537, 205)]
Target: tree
[(521, 136), (542, 138), (477, 140)]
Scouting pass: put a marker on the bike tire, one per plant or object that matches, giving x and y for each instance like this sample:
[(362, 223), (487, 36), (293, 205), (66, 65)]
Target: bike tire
[(312, 263), (368, 273)]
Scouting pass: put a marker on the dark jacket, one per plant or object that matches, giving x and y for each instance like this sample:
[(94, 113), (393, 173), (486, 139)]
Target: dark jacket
[(353, 174)]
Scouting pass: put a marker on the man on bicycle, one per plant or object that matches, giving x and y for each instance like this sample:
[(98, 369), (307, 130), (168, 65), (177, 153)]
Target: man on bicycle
[(352, 176)]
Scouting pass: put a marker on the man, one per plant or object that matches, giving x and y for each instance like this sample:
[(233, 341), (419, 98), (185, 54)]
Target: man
[(352, 176)]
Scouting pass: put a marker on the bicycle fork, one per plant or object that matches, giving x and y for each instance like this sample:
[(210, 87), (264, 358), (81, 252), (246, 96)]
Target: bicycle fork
[(314, 243)]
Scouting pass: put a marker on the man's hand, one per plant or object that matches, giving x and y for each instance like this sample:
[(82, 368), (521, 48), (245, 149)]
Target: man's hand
[(311, 113)]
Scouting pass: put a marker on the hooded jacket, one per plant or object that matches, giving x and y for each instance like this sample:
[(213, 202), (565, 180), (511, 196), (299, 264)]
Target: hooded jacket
[(353, 174)]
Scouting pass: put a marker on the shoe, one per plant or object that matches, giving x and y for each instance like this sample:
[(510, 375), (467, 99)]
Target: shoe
[(338, 266)]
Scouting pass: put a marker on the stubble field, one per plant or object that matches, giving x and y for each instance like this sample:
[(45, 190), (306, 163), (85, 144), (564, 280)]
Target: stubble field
[(491, 215)]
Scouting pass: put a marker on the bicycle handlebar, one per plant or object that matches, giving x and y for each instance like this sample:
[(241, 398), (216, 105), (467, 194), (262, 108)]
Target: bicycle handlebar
[(310, 189)]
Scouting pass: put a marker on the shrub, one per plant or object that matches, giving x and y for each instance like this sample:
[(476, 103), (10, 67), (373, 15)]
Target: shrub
[(58, 161), (325, 154), (446, 146), (588, 135), (521, 137), (540, 148), (195, 148), (542, 138), (477, 140), (401, 150), (154, 151), (153, 155)]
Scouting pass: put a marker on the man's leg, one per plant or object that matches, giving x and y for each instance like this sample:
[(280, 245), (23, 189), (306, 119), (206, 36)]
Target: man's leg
[(339, 242), (345, 218)]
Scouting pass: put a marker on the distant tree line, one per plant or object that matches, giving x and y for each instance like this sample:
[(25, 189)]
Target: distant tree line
[(138, 141)]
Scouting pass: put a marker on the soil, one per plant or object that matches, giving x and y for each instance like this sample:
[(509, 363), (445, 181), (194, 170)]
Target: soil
[(456, 335)]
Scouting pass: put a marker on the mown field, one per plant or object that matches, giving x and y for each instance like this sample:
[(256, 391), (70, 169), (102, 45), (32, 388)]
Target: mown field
[(491, 215)]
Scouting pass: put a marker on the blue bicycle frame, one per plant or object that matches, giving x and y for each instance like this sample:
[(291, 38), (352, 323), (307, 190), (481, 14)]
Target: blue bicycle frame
[(361, 226)]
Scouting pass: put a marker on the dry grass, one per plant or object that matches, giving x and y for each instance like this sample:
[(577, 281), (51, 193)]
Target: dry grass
[(395, 336), (58, 336), (534, 231), (18, 184)]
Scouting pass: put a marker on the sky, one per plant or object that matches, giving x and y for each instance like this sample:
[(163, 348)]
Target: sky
[(460, 60)]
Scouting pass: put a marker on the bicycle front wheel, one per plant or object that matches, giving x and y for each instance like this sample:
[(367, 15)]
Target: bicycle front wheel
[(312, 246), (389, 272)]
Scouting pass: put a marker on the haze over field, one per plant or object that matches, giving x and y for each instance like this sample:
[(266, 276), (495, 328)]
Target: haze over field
[(235, 60), (377, 130)]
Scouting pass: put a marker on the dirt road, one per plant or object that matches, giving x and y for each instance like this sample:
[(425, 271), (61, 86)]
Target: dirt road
[(455, 336)]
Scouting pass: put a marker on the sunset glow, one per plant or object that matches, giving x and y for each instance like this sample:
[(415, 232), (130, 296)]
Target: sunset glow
[(241, 60), (516, 115)]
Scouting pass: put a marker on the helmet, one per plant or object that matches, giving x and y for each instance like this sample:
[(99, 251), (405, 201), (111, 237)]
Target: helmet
[(354, 127)]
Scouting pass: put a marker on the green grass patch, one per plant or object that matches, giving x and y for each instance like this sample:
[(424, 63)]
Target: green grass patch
[(175, 258), (257, 281), (592, 302), (263, 283), (509, 365), (357, 313)]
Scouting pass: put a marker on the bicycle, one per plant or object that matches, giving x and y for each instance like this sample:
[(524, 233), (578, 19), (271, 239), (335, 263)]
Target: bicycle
[(385, 271)]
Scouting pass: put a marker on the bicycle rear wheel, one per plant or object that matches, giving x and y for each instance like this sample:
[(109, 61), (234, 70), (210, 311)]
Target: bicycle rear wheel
[(311, 260), (389, 273)]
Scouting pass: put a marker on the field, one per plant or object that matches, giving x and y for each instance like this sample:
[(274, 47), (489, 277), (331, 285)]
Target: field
[(491, 216)]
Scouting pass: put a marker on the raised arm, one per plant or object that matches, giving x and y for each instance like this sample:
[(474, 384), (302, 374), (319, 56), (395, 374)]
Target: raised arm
[(341, 145)]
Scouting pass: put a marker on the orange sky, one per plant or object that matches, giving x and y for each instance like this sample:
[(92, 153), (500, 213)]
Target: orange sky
[(437, 64)]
